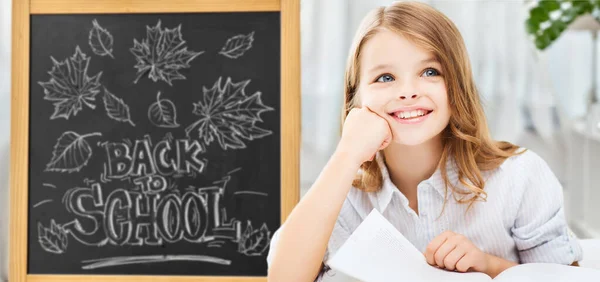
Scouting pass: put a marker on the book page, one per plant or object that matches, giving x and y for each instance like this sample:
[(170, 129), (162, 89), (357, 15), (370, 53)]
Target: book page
[(548, 272), (377, 251)]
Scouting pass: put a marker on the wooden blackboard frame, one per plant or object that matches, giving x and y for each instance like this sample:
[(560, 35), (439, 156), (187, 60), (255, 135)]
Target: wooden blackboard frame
[(20, 92)]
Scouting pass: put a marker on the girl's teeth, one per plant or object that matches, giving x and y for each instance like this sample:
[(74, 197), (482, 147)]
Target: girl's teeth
[(411, 114)]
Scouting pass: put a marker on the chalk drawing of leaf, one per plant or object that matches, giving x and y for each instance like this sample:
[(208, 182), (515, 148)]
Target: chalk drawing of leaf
[(254, 242), (162, 54), (100, 40), (163, 113), (237, 45), (69, 86), (71, 152), (228, 115), (116, 108), (53, 239)]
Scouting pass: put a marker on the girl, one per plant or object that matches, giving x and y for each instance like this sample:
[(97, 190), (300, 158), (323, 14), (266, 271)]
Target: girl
[(416, 133)]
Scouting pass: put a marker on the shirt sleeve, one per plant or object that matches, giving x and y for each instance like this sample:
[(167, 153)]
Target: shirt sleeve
[(540, 231), (339, 235)]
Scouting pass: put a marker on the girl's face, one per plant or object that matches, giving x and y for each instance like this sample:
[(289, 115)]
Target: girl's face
[(403, 83)]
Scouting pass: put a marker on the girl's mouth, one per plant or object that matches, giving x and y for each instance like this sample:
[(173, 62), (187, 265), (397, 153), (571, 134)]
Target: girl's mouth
[(411, 117)]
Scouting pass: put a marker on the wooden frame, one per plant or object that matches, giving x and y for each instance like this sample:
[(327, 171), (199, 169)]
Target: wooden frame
[(290, 109)]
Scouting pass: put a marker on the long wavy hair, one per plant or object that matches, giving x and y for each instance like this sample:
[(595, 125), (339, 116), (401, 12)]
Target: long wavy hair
[(466, 139)]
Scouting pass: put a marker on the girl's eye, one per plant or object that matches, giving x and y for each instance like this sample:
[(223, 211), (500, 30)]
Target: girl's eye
[(431, 72), (385, 78)]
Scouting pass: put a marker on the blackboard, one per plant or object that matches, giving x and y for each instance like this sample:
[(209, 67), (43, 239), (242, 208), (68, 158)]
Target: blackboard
[(154, 143)]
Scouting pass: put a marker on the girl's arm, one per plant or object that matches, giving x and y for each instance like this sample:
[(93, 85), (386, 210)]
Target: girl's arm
[(303, 238)]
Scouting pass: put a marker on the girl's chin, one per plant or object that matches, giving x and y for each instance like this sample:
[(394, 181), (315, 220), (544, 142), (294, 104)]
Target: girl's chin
[(413, 138), (409, 141)]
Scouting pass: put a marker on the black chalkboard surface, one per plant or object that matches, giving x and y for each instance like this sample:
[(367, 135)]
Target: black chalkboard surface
[(154, 143)]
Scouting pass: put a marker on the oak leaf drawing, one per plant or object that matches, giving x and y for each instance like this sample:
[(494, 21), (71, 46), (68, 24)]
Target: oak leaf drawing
[(70, 86)]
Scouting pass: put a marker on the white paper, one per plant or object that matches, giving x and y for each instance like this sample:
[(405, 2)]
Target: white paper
[(548, 272), (377, 252)]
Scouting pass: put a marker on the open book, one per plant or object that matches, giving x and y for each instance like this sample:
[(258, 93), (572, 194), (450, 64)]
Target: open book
[(377, 252)]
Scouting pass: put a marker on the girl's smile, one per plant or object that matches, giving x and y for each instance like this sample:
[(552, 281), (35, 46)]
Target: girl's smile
[(411, 115)]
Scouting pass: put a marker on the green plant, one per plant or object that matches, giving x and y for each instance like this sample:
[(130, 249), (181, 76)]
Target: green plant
[(549, 18)]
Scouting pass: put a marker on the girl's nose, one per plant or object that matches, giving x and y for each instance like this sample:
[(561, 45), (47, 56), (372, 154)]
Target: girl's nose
[(414, 96)]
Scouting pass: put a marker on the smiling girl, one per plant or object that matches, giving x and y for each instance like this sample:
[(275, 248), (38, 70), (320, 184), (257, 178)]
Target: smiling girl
[(415, 146)]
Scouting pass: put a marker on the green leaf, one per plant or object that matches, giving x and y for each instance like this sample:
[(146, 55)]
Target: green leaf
[(539, 14), (559, 25), (549, 5), (532, 26), (552, 32), (571, 14), (542, 41), (581, 7)]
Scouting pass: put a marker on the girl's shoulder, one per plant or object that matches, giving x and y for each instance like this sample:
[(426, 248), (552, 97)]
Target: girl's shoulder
[(528, 170), (523, 162)]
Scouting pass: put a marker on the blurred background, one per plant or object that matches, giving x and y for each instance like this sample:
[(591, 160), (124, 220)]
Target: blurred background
[(534, 64)]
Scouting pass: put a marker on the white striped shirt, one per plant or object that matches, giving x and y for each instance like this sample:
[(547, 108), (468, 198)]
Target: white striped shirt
[(522, 220)]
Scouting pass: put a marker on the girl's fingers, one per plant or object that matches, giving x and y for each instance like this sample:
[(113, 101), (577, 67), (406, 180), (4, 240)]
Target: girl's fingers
[(440, 255), (434, 245), (464, 263), (385, 143), (453, 257)]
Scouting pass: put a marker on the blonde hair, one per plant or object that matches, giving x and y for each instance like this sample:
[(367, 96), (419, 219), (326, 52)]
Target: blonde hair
[(466, 138)]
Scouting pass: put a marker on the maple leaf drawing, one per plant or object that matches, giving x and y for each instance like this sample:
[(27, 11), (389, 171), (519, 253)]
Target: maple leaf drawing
[(70, 87), (228, 115), (162, 54)]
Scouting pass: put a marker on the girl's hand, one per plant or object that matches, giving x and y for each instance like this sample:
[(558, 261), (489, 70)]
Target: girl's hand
[(364, 134), (454, 251)]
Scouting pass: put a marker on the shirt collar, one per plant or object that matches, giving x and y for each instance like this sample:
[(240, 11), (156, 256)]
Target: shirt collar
[(388, 189)]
